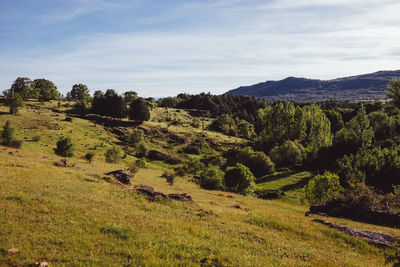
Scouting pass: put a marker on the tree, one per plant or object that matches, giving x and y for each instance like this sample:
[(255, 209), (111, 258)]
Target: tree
[(321, 188), (245, 129), (225, 124), (22, 86), (79, 92), (393, 91), (64, 148), (110, 104), (45, 90), (258, 163), (138, 111), (211, 178), (289, 154), (129, 96), (239, 179), (14, 101)]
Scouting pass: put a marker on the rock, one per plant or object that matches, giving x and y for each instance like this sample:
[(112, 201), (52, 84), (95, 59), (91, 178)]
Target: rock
[(68, 119), (229, 196), (41, 264), (12, 251), (373, 237), (181, 197), (63, 163), (237, 206), (358, 212), (149, 191), (121, 176)]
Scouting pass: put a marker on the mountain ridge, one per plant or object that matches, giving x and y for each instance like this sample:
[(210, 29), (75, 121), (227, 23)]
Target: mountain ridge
[(370, 86)]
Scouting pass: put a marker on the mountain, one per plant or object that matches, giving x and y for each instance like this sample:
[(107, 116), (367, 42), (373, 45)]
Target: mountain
[(354, 88)]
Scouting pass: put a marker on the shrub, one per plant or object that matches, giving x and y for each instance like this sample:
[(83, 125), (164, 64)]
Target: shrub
[(89, 157), (225, 124), (113, 155), (212, 179), (141, 150), (136, 137), (239, 179), (192, 166), (289, 154), (259, 163), (133, 168), (64, 148), (141, 163), (196, 123), (169, 176), (245, 129), (7, 136), (321, 188)]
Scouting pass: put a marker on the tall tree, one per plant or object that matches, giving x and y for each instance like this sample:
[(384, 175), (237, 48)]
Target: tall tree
[(393, 91), (139, 111), (79, 92), (45, 89), (14, 101), (22, 86)]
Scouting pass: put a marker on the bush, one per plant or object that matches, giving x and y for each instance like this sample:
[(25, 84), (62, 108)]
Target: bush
[(169, 176), (89, 157), (289, 154), (259, 163), (141, 163), (239, 179), (196, 123), (7, 135), (113, 155), (136, 137), (321, 188), (211, 179), (192, 166), (64, 148), (133, 168), (141, 150)]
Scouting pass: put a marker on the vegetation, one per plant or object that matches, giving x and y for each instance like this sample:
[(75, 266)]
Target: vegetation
[(139, 111), (113, 155), (7, 136), (321, 188), (239, 179), (64, 148)]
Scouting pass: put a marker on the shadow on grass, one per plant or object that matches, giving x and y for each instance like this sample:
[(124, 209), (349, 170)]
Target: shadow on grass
[(276, 176), (299, 184)]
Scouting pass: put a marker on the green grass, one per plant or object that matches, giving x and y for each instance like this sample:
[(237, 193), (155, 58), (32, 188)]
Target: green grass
[(291, 183), (72, 216)]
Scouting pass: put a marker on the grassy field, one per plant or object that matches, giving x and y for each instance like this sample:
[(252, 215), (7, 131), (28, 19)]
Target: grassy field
[(74, 217)]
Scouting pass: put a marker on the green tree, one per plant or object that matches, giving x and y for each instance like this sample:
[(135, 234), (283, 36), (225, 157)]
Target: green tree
[(393, 91), (136, 137), (79, 92), (64, 148), (225, 124), (14, 101), (211, 178), (245, 129), (258, 163), (7, 135), (239, 179), (289, 154), (129, 96), (45, 90), (336, 120), (321, 188), (23, 87), (139, 111)]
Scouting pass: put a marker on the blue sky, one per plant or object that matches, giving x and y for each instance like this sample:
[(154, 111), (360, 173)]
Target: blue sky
[(162, 48)]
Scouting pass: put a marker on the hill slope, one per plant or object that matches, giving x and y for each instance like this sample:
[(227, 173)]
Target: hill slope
[(354, 88), (73, 216)]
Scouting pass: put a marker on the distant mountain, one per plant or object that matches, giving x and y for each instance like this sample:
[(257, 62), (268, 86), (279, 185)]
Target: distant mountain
[(354, 88)]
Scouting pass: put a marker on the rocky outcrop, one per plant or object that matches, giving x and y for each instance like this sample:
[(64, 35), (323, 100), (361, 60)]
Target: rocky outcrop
[(373, 237), (150, 192), (121, 176), (358, 212)]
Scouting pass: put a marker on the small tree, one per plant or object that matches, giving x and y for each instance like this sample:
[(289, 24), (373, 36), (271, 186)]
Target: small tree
[(393, 91), (321, 188), (239, 179), (64, 148), (136, 137), (289, 154), (45, 90), (7, 135), (14, 101), (139, 111), (79, 92), (113, 155)]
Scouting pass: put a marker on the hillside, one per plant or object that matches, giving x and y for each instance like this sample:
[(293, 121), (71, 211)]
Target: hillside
[(78, 216), (355, 88)]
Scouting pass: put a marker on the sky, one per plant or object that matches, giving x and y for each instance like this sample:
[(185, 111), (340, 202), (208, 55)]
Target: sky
[(163, 48)]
